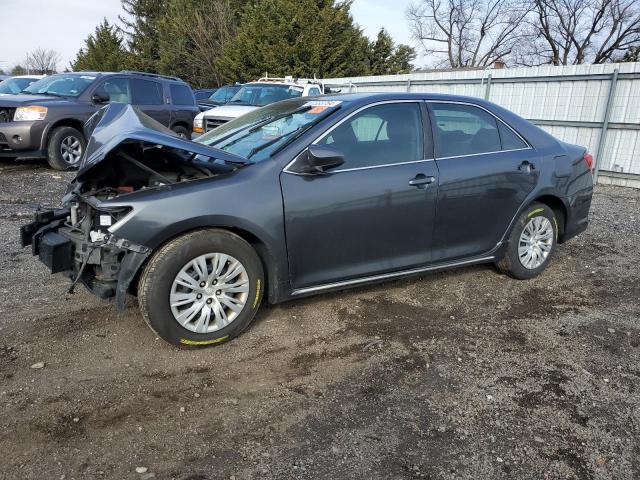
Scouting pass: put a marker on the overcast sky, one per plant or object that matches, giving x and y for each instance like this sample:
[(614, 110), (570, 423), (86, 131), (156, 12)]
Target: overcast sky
[(64, 24)]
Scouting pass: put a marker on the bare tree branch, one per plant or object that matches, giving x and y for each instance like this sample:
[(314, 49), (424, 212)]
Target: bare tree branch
[(42, 61)]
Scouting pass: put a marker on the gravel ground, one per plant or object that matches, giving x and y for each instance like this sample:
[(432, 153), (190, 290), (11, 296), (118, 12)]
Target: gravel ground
[(463, 374)]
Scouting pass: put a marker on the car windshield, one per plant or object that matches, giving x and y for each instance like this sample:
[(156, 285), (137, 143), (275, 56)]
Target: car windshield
[(261, 94), (260, 133), (63, 85), (223, 93), (15, 85)]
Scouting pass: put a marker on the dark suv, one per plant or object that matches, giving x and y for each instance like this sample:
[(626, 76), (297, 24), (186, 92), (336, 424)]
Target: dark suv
[(46, 119)]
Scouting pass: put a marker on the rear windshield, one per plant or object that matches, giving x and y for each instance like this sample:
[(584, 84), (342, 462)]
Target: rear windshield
[(62, 85)]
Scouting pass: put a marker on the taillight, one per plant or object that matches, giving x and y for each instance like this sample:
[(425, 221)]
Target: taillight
[(588, 158)]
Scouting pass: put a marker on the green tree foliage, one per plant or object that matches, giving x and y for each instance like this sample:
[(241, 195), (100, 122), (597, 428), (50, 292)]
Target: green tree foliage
[(386, 58), (631, 55), (302, 38), (103, 51), (142, 33), (192, 35), (18, 70)]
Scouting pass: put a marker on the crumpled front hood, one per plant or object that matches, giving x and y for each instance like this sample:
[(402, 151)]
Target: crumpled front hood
[(119, 123)]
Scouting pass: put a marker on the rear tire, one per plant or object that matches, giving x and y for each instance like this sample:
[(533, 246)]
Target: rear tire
[(166, 303), (66, 147), (529, 253)]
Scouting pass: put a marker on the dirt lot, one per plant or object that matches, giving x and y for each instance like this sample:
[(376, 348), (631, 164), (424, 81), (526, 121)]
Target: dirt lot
[(461, 374)]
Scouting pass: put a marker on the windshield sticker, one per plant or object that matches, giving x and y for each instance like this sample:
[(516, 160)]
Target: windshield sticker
[(320, 106)]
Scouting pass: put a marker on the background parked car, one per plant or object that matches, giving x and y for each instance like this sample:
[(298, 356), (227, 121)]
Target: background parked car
[(46, 120), (204, 93), (254, 95), (220, 97), (15, 85)]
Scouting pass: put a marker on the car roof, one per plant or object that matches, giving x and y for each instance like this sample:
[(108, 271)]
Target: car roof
[(369, 97)]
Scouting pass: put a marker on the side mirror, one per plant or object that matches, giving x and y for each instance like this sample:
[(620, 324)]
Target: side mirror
[(99, 98), (317, 160)]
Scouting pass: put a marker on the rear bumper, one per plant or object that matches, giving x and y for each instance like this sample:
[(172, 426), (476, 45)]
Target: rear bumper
[(577, 215)]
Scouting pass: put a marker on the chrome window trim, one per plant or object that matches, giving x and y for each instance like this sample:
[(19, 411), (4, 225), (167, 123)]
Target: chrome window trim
[(340, 122), (384, 276), (484, 153), (457, 102)]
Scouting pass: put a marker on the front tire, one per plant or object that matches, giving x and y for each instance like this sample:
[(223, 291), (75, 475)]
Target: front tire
[(532, 242), (182, 132), (202, 288), (66, 147)]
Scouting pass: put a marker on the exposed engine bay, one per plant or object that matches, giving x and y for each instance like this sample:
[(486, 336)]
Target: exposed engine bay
[(79, 239)]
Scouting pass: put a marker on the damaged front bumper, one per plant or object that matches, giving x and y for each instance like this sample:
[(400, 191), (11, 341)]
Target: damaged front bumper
[(104, 263)]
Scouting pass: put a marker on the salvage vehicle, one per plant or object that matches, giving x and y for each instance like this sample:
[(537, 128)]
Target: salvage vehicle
[(306, 196), (254, 95), (46, 119)]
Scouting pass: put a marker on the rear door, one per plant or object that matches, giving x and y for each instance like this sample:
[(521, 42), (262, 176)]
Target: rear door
[(364, 217), (149, 96), (486, 170)]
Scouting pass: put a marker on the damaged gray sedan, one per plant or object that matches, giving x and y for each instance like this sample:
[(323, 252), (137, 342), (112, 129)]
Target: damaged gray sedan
[(305, 196)]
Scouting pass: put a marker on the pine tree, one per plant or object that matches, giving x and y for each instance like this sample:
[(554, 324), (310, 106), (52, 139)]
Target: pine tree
[(385, 58), (192, 34), (141, 31), (103, 51), (18, 70), (302, 38)]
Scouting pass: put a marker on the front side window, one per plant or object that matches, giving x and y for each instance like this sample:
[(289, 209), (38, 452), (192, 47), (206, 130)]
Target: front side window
[(116, 89), (380, 135), (146, 92), (61, 85), (181, 94), (468, 130)]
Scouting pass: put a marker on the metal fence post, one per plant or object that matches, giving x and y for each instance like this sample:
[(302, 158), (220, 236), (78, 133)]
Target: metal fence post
[(487, 89), (408, 85), (605, 124)]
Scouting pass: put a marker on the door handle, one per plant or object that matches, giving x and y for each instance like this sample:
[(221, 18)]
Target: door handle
[(421, 181), (526, 167)]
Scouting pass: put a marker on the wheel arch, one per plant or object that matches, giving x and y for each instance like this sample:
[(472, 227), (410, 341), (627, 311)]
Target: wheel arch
[(63, 122), (273, 274), (559, 209)]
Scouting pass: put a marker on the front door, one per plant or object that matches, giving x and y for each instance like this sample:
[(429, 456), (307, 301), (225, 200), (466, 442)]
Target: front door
[(486, 171), (365, 217)]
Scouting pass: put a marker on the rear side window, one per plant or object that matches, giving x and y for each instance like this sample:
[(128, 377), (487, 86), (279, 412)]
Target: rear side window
[(510, 141), (314, 91), (146, 92), (463, 130), (181, 94), (380, 135)]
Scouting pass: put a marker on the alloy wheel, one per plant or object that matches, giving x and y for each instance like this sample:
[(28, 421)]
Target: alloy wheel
[(71, 149)]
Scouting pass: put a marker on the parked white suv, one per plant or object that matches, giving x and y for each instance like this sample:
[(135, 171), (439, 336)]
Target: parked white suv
[(254, 95)]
